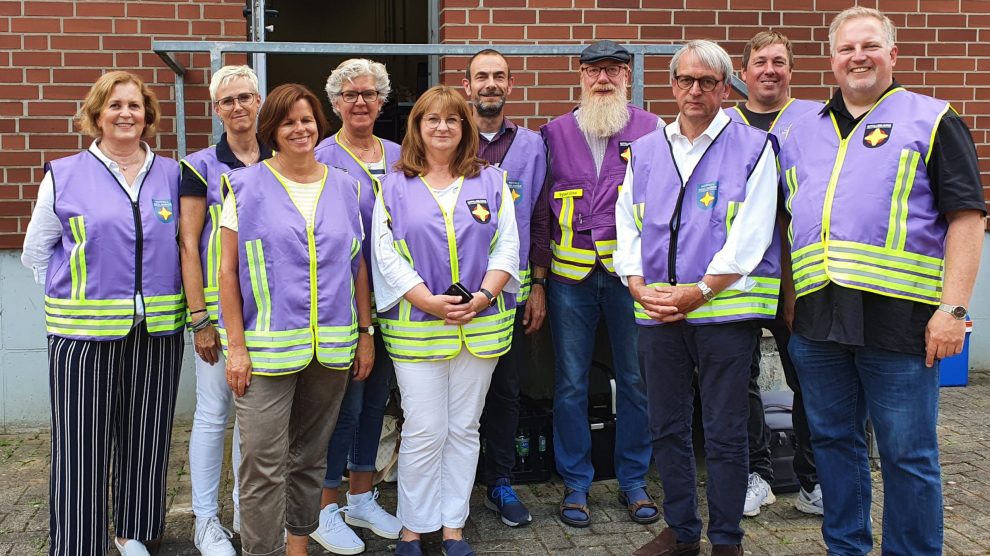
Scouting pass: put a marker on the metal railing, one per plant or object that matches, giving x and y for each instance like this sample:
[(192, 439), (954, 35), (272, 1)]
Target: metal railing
[(166, 49)]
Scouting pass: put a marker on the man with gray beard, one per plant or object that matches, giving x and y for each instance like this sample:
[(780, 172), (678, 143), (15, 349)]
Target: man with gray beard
[(588, 149)]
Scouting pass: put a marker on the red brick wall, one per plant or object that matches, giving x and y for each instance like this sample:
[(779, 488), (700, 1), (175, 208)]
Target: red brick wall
[(944, 46), (51, 52)]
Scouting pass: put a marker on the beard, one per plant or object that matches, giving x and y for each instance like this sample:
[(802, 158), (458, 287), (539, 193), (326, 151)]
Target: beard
[(489, 109), (603, 116)]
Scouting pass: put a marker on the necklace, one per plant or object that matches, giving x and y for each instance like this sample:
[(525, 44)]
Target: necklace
[(364, 151)]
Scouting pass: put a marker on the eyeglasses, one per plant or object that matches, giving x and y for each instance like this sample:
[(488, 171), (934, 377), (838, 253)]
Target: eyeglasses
[(243, 99), (595, 71), (369, 96), (707, 84), (433, 122)]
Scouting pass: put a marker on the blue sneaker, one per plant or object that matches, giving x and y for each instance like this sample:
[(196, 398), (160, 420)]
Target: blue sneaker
[(502, 500)]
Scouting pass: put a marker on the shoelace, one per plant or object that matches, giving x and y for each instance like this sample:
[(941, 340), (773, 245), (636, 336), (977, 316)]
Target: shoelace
[(217, 533), (373, 503), (505, 494), (336, 522)]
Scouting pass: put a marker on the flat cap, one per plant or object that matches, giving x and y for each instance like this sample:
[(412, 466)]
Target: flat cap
[(605, 50)]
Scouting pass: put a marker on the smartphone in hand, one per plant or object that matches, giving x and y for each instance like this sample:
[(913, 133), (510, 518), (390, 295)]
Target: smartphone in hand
[(458, 290)]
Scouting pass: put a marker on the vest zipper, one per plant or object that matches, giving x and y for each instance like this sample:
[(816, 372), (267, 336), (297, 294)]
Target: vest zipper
[(675, 224), (138, 251)]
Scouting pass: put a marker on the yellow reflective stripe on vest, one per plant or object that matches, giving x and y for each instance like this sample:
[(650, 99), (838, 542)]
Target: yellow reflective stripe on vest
[(355, 247), (606, 248), (420, 341), (897, 231), (760, 301), (212, 298), (89, 317), (77, 257), (295, 350), (402, 248), (808, 268), (568, 270), (638, 211), (213, 248), (567, 214), (525, 285), (448, 224), (164, 313), (491, 335), (910, 275), (790, 179), (255, 253), (730, 214), (341, 355)]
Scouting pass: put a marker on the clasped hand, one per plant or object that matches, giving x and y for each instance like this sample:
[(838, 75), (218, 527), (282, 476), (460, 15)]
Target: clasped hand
[(452, 311), (668, 303)]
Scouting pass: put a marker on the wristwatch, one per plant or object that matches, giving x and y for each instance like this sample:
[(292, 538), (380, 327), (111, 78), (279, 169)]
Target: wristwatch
[(540, 282), (491, 297), (958, 312), (369, 330), (706, 292)]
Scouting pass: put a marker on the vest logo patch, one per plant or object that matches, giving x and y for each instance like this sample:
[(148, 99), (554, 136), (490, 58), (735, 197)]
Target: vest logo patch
[(625, 153), (876, 134), (516, 188), (163, 210), (479, 210), (707, 195)]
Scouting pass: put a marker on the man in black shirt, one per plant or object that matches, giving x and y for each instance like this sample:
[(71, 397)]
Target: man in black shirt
[(767, 64), (887, 209)]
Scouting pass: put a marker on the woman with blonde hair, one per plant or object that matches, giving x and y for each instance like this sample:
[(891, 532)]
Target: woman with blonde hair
[(114, 310), (446, 262)]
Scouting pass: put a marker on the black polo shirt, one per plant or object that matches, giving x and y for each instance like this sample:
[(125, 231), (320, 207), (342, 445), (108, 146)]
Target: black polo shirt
[(192, 186)]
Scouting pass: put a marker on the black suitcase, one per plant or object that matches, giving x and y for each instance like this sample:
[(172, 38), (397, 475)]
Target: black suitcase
[(777, 407), (601, 420)]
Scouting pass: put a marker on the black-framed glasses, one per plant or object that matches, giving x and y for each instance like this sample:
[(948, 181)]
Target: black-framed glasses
[(433, 122), (243, 99), (595, 71), (369, 96), (707, 84)]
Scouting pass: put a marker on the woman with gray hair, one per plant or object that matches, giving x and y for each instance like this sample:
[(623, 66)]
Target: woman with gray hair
[(236, 100), (357, 89)]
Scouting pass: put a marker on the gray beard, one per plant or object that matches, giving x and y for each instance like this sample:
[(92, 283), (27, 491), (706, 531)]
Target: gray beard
[(603, 116), (490, 110)]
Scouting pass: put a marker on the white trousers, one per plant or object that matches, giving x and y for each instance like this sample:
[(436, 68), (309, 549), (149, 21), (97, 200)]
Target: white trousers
[(214, 404), (438, 455)]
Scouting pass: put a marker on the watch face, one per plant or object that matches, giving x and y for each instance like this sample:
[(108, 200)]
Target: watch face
[(959, 312)]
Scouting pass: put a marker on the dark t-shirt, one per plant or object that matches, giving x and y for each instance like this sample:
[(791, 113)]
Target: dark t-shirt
[(191, 185), (757, 119), (858, 318)]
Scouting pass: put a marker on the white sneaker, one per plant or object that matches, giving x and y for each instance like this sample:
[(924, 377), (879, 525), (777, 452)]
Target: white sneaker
[(334, 535), (365, 512), (810, 502), (213, 539), (758, 494), (131, 548)]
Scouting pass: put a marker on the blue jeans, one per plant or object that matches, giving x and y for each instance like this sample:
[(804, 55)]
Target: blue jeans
[(575, 310), (842, 385), (359, 424)]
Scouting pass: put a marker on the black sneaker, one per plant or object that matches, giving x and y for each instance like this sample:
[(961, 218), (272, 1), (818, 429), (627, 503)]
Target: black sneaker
[(503, 500)]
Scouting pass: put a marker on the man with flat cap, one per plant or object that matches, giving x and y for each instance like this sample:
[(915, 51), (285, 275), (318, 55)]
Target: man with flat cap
[(573, 234)]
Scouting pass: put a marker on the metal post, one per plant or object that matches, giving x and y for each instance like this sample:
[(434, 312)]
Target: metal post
[(180, 114), (638, 77), (258, 35), (216, 62)]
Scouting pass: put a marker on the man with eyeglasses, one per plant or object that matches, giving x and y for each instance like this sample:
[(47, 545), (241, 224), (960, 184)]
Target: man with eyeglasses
[(698, 250), (767, 64), (234, 91), (887, 213), (521, 154), (573, 233)]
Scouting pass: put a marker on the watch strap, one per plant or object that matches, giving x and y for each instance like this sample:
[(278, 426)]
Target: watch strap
[(958, 312), (491, 297)]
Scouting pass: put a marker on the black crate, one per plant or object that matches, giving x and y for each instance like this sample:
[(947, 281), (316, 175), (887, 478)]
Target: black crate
[(534, 444)]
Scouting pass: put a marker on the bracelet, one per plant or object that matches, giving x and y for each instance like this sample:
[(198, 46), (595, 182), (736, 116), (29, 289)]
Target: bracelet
[(201, 324), (540, 282), (197, 312)]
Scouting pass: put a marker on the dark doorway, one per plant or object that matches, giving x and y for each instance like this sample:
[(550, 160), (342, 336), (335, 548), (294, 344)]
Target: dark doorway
[(364, 21)]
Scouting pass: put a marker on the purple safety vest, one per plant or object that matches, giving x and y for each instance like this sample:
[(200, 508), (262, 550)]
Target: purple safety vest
[(863, 211), (428, 239), (297, 282), (683, 227), (333, 153), (91, 285), (781, 125), (525, 164), (582, 199)]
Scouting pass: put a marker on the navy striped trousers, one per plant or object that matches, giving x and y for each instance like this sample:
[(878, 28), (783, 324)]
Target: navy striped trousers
[(112, 405)]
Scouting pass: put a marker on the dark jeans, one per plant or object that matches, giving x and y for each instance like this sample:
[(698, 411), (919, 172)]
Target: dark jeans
[(722, 353), (501, 415), (759, 432)]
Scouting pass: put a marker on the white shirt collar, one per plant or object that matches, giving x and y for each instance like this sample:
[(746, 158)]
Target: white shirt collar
[(148, 156), (721, 119)]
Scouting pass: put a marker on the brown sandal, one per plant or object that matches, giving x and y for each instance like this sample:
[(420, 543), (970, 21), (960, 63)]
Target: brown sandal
[(580, 523), (639, 504)]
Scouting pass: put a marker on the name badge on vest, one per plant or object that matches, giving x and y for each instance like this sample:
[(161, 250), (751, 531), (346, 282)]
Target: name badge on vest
[(876, 134), (625, 153), (163, 209), (479, 210), (516, 188), (707, 195)]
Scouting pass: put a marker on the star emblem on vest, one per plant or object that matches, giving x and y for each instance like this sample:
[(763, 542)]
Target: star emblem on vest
[(875, 135), (516, 189), (479, 210), (625, 152), (707, 195), (163, 209)]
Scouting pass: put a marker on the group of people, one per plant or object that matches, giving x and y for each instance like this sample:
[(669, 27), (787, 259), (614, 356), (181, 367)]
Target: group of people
[(314, 270)]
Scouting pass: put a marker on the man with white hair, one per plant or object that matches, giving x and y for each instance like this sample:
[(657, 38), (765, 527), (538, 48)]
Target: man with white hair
[(887, 211), (236, 100), (573, 233), (698, 250)]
